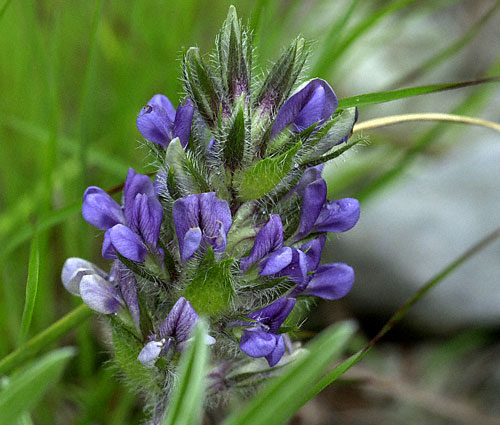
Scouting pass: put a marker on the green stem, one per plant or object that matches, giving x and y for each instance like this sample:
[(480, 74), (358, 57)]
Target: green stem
[(72, 320)]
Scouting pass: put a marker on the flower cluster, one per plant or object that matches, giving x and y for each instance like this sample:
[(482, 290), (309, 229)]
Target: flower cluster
[(234, 224)]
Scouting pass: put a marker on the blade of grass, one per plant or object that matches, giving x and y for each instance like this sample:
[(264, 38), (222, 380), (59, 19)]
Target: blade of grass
[(4, 8), (95, 156), (404, 118), (324, 59), (188, 394), (25, 390), (472, 102), (453, 49), (283, 396), (401, 312), (368, 22), (36, 344), (388, 96), (44, 223), (31, 288)]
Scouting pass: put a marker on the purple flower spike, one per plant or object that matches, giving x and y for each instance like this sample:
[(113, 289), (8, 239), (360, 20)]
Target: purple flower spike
[(331, 281), (269, 238), (100, 295), (314, 103), (262, 339), (160, 123), (338, 216), (201, 217), (100, 210)]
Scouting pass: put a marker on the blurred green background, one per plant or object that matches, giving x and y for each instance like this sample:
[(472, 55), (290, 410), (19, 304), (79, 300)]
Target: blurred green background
[(73, 76)]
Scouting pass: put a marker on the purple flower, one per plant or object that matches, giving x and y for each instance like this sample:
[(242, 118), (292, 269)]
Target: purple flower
[(103, 293), (176, 328), (261, 338), (201, 218), (131, 230), (314, 103), (330, 281), (318, 214), (160, 123), (290, 262), (269, 239)]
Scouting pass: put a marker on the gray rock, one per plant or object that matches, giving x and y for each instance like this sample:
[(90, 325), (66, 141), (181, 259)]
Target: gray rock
[(412, 231)]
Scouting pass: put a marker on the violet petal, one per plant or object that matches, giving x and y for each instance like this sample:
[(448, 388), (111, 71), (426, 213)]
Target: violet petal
[(134, 184), (331, 281), (269, 238), (183, 120), (338, 216), (312, 204), (74, 269), (275, 356), (100, 295), (100, 210), (127, 243), (257, 343)]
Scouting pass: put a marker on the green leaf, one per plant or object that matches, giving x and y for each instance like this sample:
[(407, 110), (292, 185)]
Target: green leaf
[(31, 288), (126, 350), (285, 394), (25, 390), (36, 344), (211, 290), (263, 176), (188, 394), (388, 96)]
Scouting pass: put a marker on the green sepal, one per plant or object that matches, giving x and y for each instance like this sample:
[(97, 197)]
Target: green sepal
[(172, 185), (211, 289), (234, 51), (234, 146), (201, 86), (265, 175), (332, 133), (187, 180), (283, 75)]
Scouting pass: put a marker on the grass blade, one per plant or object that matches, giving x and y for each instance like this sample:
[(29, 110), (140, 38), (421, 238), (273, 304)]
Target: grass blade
[(285, 394), (36, 344), (31, 288), (388, 96), (404, 118), (4, 8), (188, 394), (449, 51), (324, 59), (25, 390), (368, 22), (401, 312)]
